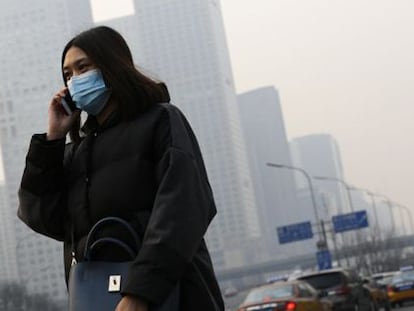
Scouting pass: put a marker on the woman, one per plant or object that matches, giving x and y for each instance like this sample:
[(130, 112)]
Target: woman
[(136, 158)]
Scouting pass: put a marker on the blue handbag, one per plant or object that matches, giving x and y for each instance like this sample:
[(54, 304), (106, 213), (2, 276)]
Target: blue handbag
[(96, 285)]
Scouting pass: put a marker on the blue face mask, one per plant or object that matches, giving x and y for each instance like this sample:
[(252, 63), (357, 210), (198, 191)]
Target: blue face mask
[(89, 92)]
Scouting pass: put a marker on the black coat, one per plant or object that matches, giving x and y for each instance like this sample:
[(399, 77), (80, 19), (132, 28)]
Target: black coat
[(148, 171)]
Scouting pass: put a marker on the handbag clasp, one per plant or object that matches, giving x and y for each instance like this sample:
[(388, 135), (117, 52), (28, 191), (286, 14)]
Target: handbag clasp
[(74, 261), (114, 283)]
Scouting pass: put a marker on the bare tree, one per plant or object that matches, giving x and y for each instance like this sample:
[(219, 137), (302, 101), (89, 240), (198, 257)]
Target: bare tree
[(374, 251)]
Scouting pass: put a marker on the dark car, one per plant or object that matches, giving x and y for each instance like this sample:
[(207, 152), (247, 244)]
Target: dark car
[(343, 287)]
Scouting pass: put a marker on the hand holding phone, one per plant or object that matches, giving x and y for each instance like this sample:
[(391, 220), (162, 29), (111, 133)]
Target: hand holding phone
[(62, 115), (68, 104)]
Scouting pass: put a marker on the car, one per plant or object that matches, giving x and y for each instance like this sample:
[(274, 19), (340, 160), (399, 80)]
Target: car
[(401, 287), (277, 278), (383, 278), (230, 291), (343, 287), (285, 296), (378, 293)]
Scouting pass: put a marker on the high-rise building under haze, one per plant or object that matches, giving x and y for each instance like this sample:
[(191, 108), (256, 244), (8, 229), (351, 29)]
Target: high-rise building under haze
[(8, 268), (34, 34), (319, 156), (182, 42), (265, 135)]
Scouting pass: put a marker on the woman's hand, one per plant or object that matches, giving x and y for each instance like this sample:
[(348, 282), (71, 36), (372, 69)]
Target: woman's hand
[(59, 121), (130, 303)]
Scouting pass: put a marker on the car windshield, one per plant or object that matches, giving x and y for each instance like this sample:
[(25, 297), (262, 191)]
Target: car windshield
[(323, 281), (403, 276), (269, 293)]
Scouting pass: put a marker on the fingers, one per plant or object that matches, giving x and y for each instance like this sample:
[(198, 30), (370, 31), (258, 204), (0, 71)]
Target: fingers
[(59, 95), (62, 92), (56, 100)]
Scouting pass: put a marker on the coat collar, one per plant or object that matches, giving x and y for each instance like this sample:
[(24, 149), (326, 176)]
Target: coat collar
[(91, 125)]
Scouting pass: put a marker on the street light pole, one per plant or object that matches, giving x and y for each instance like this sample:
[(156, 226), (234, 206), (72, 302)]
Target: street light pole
[(332, 232), (388, 201), (308, 178), (404, 208), (410, 216), (347, 188), (401, 217), (348, 192), (374, 206), (376, 231)]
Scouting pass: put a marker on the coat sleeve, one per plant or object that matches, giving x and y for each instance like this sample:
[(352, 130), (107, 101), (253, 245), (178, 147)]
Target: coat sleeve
[(182, 210), (41, 195)]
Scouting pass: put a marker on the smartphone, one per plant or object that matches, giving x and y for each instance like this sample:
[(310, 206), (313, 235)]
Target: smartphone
[(68, 104)]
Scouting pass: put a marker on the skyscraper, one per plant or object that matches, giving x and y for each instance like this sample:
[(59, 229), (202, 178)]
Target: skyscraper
[(182, 42), (265, 135), (33, 34), (8, 268), (319, 155)]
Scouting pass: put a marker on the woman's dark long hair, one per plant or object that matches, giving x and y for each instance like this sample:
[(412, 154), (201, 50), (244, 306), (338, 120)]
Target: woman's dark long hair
[(132, 91)]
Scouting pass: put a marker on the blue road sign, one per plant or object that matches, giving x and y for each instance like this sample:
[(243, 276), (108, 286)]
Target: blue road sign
[(351, 221), (324, 259), (295, 232)]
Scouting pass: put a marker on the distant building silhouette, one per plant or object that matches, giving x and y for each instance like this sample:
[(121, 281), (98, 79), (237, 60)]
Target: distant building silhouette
[(8, 268), (33, 34), (265, 135), (319, 155)]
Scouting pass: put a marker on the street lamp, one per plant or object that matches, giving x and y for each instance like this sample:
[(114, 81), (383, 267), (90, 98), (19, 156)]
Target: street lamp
[(374, 206), (308, 178), (388, 201), (351, 205), (404, 208), (377, 231), (348, 191), (410, 216), (401, 218)]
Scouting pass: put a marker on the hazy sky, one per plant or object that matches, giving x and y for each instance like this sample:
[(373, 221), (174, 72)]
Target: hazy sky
[(343, 67)]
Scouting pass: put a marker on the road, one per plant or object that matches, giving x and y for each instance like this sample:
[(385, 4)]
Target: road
[(233, 302), (407, 307)]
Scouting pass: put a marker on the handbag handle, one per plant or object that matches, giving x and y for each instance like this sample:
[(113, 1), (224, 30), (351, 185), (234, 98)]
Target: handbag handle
[(108, 240), (89, 245)]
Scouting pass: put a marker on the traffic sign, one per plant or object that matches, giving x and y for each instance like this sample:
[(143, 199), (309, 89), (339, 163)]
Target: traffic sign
[(350, 221), (295, 232), (324, 259)]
